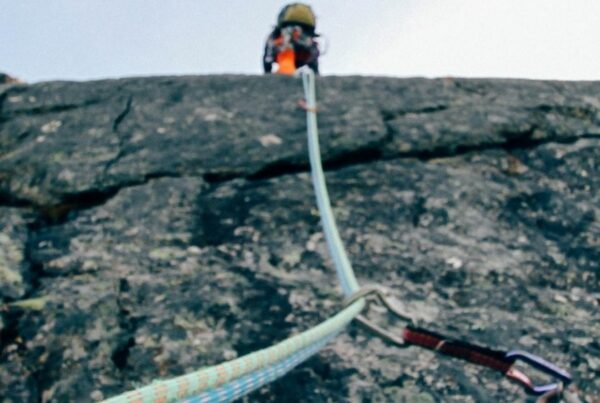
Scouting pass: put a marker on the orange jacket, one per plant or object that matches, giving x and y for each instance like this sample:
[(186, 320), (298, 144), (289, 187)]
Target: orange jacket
[(291, 47)]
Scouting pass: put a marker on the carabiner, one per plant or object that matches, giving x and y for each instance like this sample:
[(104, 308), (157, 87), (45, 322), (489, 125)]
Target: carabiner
[(382, 295), (541, 365)]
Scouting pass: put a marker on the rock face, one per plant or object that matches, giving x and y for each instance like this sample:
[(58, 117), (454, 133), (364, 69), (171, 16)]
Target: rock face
[(6, 79), (152, 226)]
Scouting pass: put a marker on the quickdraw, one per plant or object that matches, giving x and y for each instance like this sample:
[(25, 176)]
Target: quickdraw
[(502, 361)]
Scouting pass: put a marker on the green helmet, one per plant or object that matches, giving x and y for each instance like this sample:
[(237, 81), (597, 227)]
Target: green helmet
[(297, 13)]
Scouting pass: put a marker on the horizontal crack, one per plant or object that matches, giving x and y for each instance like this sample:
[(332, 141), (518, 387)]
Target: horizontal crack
[(57, 213), (221, 177), (362, 155), (391, 115), (368, 155), (516, 143), (276, 169), (9, 200), (42, 110)]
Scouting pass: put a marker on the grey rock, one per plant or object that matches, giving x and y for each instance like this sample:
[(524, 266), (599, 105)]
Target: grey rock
[(13, 265), (165, 224), (6, 79)]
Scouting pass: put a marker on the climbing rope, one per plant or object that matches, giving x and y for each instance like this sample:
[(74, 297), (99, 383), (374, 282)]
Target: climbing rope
[(332, 236), (205, 379), (240, 376), (255, 380), (236, 378)]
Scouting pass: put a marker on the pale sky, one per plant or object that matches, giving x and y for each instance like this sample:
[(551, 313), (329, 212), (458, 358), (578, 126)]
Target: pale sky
[(90, 39)]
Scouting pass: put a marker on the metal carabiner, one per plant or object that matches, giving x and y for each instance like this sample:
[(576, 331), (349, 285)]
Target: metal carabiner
[(382, 295), (498, 360), (541, 365)]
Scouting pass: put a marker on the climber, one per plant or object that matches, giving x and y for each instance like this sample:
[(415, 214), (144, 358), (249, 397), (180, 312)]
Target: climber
[(292, 43)]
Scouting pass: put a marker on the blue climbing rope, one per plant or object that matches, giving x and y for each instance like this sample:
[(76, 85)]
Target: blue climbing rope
[(257, 379)]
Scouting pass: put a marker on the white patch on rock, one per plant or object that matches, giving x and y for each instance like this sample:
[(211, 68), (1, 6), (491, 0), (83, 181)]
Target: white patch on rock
[(66, 175), (560, 298), (51, 126), (594, 363), (89, 265), (213, 114), (211, 117), (166, 253), (527, 341), (194, 250), (10, 258), (137, 137), (455, 262), (376, 243), (292, 256), (316, 238), (270, 140)]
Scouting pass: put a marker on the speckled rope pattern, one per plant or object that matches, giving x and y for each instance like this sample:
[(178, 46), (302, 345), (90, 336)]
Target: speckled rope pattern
[(257, 379), (212, 377)]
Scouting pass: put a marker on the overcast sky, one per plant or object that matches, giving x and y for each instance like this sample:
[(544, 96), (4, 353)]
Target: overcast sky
[(89, 39)]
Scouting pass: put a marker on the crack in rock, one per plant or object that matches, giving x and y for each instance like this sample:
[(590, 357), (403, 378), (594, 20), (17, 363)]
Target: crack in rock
[(123, 114)]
